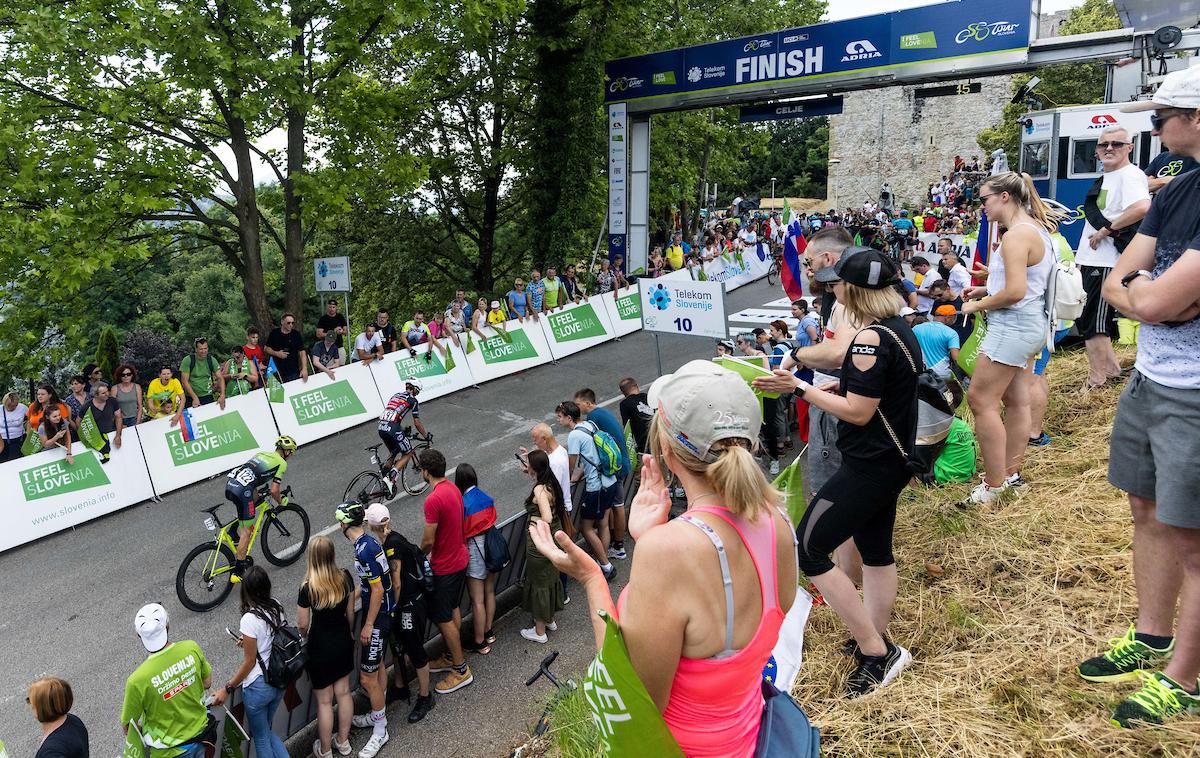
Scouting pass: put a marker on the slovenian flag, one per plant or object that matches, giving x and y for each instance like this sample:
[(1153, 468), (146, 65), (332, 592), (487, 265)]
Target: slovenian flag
[(792, 271), (186, 429)]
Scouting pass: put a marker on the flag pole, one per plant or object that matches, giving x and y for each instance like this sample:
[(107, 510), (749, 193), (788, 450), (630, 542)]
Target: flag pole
[(266, 381)]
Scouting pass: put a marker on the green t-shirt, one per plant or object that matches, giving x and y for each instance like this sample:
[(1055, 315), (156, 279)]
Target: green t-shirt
[(200, 373), (957, 461), (236, 387), (551, 298), (163, 695)]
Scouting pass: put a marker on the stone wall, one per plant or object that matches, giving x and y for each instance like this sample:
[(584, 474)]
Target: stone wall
[(889, 135)]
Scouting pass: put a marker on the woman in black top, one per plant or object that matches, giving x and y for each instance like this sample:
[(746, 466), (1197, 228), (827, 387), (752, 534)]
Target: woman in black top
[(63, 734), (876, 404), (326, 616)]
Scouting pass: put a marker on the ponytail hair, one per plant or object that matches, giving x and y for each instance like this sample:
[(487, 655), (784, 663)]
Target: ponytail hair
[(735, 476), (1020, 188)]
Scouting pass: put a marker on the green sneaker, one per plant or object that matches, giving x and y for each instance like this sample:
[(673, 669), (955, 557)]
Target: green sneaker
[(1125, 657), (1160, 698)]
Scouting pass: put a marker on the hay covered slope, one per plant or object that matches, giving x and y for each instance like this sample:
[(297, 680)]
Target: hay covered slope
[(998, 605)]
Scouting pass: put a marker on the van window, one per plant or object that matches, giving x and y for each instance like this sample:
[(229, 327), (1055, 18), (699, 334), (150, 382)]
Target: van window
[(1035, 159), (1084, 162)]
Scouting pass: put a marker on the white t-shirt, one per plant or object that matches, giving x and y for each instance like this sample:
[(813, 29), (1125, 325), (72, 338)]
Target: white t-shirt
[(560, 466), (253, 626), (1121, 189), (367, 345), (15, 419), (959, 279), (925, 304)]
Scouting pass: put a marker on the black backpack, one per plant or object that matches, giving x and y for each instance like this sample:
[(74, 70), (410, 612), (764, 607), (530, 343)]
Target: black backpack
[(423, 575), (289, 656)]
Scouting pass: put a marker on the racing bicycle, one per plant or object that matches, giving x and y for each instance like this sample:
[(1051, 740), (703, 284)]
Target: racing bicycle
[(773, 271), (202, 581), (372, 486)]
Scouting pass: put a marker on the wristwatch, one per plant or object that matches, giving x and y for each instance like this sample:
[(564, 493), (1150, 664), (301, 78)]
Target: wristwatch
[(799, 391), (1128, 278)]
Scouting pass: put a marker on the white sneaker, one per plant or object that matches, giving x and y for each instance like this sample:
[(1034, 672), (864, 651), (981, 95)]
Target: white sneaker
[(533, 636), (317, 750), (552, 626), (983, 494), (773, 469), (343, 748), (361, 721), (1016, 481), (373, 746)]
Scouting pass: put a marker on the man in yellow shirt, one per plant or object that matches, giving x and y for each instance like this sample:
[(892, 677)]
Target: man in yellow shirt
[(164, 396), (676, 251)]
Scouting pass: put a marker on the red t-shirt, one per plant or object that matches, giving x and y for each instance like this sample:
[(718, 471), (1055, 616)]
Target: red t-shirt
[(256, 354), (929, 224), (444, 507)]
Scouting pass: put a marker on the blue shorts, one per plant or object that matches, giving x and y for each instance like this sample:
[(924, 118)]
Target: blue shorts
[(1015, 335), (398, 445), (243, 498), (597, 503)]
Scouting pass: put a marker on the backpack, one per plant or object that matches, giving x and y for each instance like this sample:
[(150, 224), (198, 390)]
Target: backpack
[(611, 461), (934, 416), (424, 572), (495, 550), (1065, 295), (288, 655), (212, 369)]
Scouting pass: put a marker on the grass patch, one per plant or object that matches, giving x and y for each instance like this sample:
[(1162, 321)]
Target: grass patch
[(998, 605)]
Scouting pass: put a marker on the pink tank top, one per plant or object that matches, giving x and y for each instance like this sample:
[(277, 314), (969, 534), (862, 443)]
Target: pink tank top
[(716, 703)]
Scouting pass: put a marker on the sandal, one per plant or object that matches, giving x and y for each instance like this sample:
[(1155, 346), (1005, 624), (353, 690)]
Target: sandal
[(471, 646), (489, 637)]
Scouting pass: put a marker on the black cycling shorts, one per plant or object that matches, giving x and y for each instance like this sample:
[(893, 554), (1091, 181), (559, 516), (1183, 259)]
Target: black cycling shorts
[(408, 632), (858, 501), (371, 654), (243, 498), (397, 443)]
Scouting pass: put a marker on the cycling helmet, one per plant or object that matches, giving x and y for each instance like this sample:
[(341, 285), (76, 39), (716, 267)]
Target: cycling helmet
[(284, 442), (350, 514), (414, 382)]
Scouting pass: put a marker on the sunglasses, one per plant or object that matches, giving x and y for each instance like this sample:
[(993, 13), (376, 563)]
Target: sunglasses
[(1157, 120), (1110, 145), (126, 373)]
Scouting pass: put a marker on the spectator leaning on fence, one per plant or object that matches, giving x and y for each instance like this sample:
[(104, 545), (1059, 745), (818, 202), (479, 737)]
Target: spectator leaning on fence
[(368, 346), (598, 487), (606, 421), (287, 348), (325, 616), (164, 396), (63, 734), (325, 354), (386, 330), (55, 431), (238, 373), (44, 399), (479, 515), (78, 398), (254, 351), (168, 726), (543, 594), (201, 377), (335, 322)]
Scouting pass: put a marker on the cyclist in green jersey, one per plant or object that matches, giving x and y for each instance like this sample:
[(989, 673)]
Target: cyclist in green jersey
[(243, 489)]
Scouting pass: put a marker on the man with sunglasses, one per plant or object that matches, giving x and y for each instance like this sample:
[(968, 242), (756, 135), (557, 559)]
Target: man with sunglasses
[(1117, 201), (1154, 446), (285, 345)]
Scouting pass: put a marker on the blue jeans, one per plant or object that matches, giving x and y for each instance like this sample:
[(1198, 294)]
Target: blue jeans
[(262, 700)]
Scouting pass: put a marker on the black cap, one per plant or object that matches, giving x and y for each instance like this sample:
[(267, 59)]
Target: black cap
[(829, 274), (869, 269)]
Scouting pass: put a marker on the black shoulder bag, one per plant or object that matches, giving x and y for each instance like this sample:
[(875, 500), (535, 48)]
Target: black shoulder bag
[(1091, 210)]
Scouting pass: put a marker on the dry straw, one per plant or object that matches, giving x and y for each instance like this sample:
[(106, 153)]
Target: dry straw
[(998, 604)]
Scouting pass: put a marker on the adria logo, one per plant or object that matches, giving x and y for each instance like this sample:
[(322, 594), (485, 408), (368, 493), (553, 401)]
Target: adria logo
[(1102, 121), (861, 49)]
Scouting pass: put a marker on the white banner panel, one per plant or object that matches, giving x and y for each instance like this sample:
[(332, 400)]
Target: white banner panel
[(678, 306), (224, 439), (624, 308), (496, 357), (732, 269), (45, 495), (324, 406), (436, 380), (577, 327)]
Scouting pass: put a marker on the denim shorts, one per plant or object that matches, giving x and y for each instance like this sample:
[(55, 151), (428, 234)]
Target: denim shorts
[(476, 565), (1015, 335)]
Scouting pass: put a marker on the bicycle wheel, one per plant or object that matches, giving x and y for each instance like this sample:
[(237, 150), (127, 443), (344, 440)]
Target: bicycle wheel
[(202, 582), (773, 273), (284, 534), (410, 477), (366, 487)]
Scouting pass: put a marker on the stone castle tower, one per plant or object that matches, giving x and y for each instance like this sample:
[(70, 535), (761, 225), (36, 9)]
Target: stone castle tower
[(890, 135)]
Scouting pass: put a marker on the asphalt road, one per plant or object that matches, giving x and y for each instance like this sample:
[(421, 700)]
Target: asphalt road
[(69, 599)]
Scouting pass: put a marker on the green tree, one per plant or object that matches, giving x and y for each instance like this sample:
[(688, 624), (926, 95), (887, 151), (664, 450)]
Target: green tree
[(107, 352), (126, 122), (1067, 84)]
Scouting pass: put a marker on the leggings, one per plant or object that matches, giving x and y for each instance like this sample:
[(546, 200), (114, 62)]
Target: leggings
[(858, 501)]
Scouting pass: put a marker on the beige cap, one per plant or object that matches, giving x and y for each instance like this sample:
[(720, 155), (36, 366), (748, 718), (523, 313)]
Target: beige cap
[(378, 514), (702, 403)]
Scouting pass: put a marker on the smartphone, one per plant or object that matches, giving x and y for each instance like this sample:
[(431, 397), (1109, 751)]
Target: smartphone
[(519, 458), (233, 634)]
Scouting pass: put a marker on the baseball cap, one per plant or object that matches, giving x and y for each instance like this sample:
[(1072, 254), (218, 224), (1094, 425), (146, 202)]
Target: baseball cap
[(1180, 89), (378, 514), (703, 403), (906, 311), (945, 310), (150, 623), (495, 303), (829, 274), (869, 269)]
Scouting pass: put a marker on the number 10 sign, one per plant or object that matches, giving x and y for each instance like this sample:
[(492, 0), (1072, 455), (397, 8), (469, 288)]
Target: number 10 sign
[(683, 306)]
